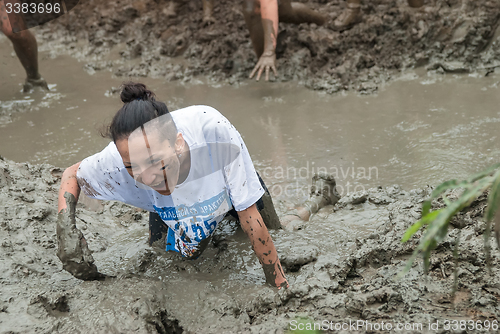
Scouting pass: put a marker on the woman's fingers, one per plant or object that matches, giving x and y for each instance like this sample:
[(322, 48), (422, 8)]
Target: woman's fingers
[(253, 71), (265, 63), (274, 70)]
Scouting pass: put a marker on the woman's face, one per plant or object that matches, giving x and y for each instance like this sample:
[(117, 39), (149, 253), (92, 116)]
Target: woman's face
[(151, 160)]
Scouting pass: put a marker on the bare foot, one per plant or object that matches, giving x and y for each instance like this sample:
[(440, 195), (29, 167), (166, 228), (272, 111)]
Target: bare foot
[(29, 84), (324, 185)]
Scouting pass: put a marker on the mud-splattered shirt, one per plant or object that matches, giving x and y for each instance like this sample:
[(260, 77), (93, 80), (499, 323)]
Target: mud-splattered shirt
[(221, 176)]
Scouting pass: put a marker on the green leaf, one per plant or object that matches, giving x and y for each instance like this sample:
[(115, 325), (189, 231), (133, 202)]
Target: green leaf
[(438, 221), (443, 187), (493, 198), (415, 227), (426, 207)]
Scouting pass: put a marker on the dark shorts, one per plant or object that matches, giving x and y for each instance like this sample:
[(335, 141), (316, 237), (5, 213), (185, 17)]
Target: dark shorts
[(158, 229)]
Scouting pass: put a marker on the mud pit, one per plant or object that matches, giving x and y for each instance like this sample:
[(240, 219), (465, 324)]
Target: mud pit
[(134, 38), (339, 275), (340, 266)]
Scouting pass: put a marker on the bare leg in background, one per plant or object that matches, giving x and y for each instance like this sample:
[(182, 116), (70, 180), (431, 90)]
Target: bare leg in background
[(323, 193), (26, 50)]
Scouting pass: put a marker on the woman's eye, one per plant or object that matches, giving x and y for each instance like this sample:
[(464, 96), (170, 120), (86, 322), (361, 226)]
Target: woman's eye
[(164, 167)]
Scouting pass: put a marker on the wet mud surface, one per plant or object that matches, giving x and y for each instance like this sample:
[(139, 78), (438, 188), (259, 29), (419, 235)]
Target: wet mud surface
[(136, 38), (336, 273), (341, 266)]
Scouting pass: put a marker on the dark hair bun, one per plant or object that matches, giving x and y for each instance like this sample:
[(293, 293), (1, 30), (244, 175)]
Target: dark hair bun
[(135, 91)]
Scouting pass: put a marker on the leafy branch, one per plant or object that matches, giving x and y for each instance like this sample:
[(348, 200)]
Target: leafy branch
[(437, 221)]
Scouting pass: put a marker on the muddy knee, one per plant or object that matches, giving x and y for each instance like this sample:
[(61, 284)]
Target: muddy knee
[(15, 37), (251, 8), (5, 23), (24, 36), (297, 13)]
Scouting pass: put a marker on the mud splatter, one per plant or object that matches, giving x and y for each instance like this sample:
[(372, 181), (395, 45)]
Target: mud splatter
[(87, 188)]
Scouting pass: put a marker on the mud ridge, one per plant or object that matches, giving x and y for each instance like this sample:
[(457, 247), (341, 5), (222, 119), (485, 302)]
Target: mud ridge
[(135, 38)]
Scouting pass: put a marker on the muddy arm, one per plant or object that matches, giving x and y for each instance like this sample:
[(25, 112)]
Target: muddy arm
[(263, 246), (68, 184), (73, 250), (267, 61)]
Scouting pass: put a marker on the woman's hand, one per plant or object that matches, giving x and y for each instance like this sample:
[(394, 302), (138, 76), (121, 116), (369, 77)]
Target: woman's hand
[(266, 62), (72, 247), (263, 246), (274, 275)]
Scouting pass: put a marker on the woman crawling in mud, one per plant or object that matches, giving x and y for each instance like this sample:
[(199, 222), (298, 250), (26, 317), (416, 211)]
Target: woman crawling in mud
[(188, 168)]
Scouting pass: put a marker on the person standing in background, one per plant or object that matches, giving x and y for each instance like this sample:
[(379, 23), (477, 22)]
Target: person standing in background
[(25, 46)]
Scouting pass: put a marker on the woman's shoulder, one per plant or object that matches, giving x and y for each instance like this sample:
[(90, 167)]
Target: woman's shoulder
[(200, 119), (202, 111), (107, 159)]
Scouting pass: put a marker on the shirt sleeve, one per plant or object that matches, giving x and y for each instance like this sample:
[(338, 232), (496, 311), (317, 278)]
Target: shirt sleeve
[(99, 175), (239, 172)]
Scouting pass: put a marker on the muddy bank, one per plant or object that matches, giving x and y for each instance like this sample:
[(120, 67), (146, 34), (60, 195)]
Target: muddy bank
[(223, 291), (135, 38)]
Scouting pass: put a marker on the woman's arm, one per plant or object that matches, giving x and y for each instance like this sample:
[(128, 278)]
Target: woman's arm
[(269, 17), (72, 247), (263, 246), (68, 184)]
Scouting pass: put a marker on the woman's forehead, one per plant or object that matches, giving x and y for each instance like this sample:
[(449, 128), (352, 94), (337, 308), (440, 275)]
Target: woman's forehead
[(142, 144)]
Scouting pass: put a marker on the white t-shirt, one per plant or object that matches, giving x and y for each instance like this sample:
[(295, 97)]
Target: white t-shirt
[(221, 176)]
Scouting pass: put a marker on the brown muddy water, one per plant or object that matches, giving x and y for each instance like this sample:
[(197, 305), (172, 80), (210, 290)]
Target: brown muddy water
[(419, 130)]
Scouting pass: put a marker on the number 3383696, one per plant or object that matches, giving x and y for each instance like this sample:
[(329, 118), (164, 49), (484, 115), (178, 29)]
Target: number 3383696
[(455, 325), (32, 8)]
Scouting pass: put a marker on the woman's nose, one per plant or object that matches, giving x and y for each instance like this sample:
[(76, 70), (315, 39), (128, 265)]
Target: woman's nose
[(147, 177)]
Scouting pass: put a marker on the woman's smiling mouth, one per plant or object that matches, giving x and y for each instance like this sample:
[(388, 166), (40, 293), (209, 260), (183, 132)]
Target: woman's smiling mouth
[(157, 184)]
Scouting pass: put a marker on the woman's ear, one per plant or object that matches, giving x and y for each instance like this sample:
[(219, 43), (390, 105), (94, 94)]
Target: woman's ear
[(179, 144)]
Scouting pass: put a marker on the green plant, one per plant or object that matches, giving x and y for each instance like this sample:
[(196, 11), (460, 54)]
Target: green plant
[(437, 221)]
